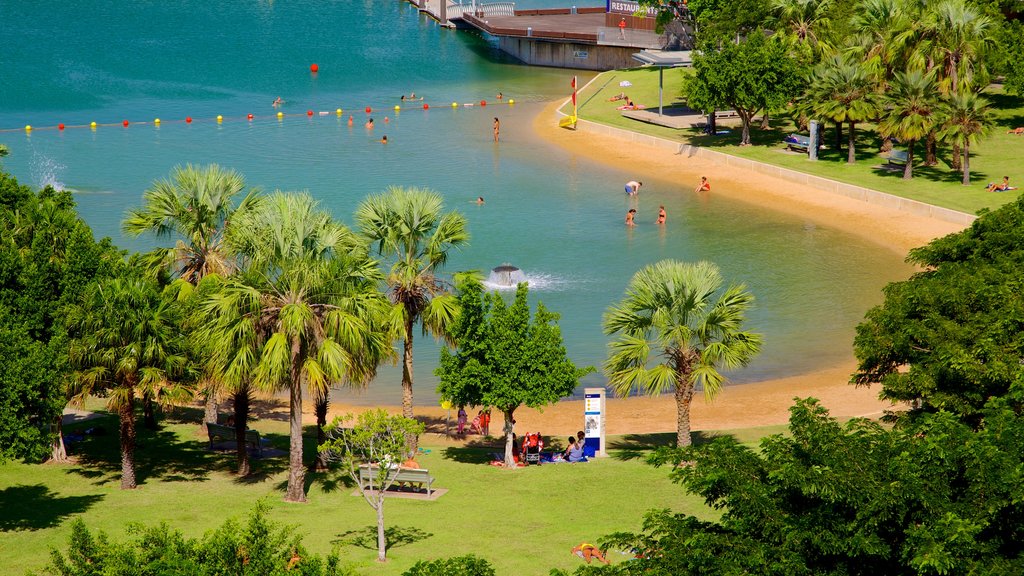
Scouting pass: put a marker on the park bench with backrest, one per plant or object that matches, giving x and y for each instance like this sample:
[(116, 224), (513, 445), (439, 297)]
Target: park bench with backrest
[(897, 158), (371, 475), (252, 437), (798, 143)]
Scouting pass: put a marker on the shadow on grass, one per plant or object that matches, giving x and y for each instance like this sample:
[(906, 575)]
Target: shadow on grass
[(34, 507), (470, 454), (394, 537), (639, 446)]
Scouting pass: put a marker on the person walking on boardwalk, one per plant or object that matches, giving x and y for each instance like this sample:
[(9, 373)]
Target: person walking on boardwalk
[(622, 29)]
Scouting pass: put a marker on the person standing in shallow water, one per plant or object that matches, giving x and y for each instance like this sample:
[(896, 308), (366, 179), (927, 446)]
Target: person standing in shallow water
[(497, 128), (630, 217), (661, 215)]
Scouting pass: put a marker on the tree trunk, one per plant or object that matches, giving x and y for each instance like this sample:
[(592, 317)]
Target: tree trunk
[(241, 410), (321, 402), (684, 395), (839, 136), (296, 472), (126, 414), (382, 543), (412, 441), (148, 412), (58, 452), (851, 157), (510, 444), (764, 121), (929, 150), (712, 124), (967, 164), (955, 161), (745, 139), (908, 169), (211, 408)]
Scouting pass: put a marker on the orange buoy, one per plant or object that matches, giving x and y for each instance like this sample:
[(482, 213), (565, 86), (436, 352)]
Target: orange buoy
[(483, 102), (125, 123), (188, 119), (309, 112), (60, 126), (426, 106), (249, 116), (314, 68), (368, 109)]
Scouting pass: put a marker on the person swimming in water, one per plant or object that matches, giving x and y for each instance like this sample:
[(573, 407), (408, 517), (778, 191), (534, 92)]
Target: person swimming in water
[(369, 123), (278, 101), (384, 140), (479, 200), (661, 215), (349, 119)]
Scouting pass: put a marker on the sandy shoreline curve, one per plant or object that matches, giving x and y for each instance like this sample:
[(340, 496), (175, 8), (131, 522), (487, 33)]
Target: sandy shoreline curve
[(750, 405)]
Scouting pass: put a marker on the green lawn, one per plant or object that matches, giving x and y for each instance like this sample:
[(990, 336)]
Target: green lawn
[(995, 156), (523, 521)]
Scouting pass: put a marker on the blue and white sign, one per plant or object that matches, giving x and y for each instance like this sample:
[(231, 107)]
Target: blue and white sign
[(593, 421)]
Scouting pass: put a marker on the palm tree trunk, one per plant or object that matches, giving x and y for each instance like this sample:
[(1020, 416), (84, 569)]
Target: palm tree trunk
[(851, 155), (510, 444), (967, 164), (321, 402), (929, 150), (839, 135), (412, 441), (296, 473), (210, 408), (241, 410), (126, 414), (148, 412), (955, 161), (908, 169), (684, 395), (59, 453)]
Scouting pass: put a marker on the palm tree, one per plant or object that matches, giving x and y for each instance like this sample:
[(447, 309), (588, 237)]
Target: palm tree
[(910, 114), (848, 95), (125, 342), (677, 309), (193, 206), (305, 310), (955, 38), (806, 20), (407, 225), (964, 118)]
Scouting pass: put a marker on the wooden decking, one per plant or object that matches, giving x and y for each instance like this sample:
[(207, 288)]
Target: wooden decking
[(583, 28)]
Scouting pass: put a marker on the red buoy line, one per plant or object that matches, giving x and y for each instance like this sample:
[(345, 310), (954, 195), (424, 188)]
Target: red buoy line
[(246, 117)]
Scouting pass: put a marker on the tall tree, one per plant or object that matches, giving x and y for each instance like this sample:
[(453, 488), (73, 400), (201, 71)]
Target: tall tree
[(842, 91), (193, 207), (125, 343), (682, 311), (304, 311), (807, 21), (752, 76), (964, 118), (503, 358), (409, 228), (910, 113), (955, 36)]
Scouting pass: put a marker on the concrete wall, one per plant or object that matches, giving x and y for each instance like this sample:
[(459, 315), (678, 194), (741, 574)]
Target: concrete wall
[(567, 54), (817, 182)]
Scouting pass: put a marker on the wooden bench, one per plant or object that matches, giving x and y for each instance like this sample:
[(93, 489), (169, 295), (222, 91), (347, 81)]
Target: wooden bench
[(897, 158), (798, 143), (371, 474), (252, 437)]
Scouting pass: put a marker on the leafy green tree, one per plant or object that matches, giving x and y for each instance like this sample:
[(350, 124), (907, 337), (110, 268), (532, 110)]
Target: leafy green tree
[(680, 310), (807, 21), (468, 565), (718, 21), (503, 358), (409, 227), (193, 207), (125, 343), (952, 336), (954, 39), (304, 311), (854, 499), (1014, 50), (47, 258), (752, 76), (911, 106), (964, 118), (375, 439)]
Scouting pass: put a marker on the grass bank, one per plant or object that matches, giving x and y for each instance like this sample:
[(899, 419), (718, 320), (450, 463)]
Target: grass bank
[(524, 521), (998, 154)]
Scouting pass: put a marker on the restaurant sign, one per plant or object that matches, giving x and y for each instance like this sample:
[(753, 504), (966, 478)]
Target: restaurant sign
[(631, 8)]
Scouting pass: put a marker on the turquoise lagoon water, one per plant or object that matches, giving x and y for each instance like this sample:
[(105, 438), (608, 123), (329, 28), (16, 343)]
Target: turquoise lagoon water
[(556, 216)]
